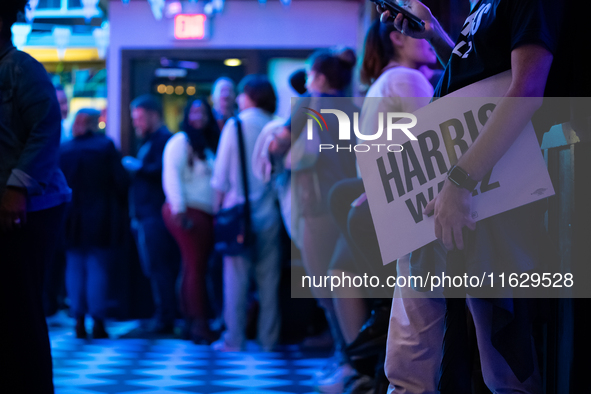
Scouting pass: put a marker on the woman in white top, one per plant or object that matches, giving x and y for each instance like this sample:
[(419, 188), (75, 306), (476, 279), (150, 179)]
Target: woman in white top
[(188, 212), (415, 334), (257, 103)]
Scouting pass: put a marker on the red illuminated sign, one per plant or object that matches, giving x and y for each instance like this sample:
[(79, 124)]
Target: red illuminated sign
[(189, 26)]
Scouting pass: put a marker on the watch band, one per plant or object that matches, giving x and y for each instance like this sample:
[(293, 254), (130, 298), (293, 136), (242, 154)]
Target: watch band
[(459, 177)]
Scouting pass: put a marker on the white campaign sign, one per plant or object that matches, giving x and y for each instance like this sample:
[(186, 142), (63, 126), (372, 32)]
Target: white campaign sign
[(399, 185)]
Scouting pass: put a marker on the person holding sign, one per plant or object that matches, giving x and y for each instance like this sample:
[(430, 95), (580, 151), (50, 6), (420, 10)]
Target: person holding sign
[(498, 35), (416, 322)]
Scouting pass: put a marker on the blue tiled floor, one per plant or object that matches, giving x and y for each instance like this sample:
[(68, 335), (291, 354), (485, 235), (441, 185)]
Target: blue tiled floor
[(173, 366)]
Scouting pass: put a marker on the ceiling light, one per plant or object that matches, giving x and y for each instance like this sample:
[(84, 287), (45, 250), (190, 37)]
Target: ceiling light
[(232, 62)]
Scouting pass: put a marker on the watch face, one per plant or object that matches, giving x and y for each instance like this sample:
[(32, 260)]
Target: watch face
[(461, 178), (457, 176)]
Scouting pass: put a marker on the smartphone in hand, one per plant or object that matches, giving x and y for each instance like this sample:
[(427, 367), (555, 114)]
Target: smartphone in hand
[(414, 22)]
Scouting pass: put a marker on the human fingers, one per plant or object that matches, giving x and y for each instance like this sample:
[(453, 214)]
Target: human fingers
[(21, 218), (9, 221), (17, 223), (457, 237), (398, 22), (430, 208), (447, 237), (405, 28), (438, 230)]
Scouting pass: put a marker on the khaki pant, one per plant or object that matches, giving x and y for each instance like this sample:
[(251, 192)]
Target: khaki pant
[(266, 272)]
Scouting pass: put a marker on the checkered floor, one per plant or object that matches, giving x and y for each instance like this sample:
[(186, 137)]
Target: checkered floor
[(174, 366)]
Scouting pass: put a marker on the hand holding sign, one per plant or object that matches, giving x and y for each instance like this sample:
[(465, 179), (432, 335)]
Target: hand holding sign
[(402, 186), (451, 208)]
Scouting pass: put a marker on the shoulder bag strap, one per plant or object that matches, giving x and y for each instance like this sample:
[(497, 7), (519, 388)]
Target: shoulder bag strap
[(244, 172)]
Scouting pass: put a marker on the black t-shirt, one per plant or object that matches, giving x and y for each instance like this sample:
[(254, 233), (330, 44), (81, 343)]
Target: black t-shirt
[(492, 30)]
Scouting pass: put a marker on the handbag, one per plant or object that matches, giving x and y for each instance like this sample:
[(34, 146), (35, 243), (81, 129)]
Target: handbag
[(232, 226)]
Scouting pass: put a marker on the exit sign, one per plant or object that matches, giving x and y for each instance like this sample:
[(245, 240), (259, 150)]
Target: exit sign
[(190, 26)]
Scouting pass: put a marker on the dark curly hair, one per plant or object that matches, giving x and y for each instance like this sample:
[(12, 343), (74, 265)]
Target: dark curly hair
[(9, 11), (208, 137)]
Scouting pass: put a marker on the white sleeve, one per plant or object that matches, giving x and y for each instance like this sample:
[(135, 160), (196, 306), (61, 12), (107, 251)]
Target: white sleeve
[(174, 160), (227, 147), (261, 163), (413, 88)]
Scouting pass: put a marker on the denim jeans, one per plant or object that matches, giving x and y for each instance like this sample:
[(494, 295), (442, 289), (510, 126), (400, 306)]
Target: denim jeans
[(87, 281), (160, 259)]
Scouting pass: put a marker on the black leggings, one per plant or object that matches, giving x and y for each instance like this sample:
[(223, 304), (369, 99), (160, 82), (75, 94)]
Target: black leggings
[(359, 237)]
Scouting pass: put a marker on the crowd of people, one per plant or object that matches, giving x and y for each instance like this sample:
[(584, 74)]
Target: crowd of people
[(232, 153)]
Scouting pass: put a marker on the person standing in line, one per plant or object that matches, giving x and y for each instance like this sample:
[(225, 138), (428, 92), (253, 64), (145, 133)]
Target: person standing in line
[(94, 228), (33, 193), (223, 97), (64, 110), (157, 249), (257, 102), (54, 293), (188, 212), (328, 79)]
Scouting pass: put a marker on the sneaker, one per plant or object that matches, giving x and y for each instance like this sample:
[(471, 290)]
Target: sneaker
[(335, 383), (359, 384), (326, 371), (221, 346), (334, 362)]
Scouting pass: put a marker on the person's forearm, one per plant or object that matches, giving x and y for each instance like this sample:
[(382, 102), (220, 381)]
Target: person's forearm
[(441, 42), (280, 144), (530, 65), (172, 185), (218, 200), (505, 124)]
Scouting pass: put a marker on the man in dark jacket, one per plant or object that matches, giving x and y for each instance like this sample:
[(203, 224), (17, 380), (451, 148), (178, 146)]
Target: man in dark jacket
[(94, 226), (158, 251), (32, 195)]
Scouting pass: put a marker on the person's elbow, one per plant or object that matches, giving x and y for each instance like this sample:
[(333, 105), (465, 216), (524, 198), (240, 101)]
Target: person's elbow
[(528, 95), (530, 64)]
